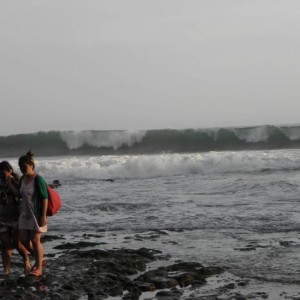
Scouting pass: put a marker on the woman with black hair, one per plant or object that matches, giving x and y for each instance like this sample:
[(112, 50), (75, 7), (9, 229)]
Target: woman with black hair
[(33, 220), (9, 216)]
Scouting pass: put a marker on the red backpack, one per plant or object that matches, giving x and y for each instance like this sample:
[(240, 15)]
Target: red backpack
[(54, 203)]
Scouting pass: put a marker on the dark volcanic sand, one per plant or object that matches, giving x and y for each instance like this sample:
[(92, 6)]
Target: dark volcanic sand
[(82, 270)]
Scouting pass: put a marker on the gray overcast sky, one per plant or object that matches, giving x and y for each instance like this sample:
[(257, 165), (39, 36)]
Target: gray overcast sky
[(137, 64)]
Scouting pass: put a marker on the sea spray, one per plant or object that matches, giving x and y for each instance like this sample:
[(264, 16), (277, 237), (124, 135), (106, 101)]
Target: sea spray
[(158, 165), (101, 139)]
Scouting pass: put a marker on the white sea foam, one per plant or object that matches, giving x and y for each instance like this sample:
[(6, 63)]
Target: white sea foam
[(292, 133), (151, 166), (114, 139), (250, 135), (253, 135)]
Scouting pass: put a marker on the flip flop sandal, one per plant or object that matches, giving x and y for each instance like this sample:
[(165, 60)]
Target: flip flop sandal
[(44, 262), (35, 273)]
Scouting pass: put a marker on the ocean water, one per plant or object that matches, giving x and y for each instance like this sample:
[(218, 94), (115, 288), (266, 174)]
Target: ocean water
[(236, 209)]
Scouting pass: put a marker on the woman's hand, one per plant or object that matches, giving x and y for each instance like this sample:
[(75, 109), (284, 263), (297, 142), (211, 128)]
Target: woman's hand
[(12, 185), (43, 221), (9, 180)]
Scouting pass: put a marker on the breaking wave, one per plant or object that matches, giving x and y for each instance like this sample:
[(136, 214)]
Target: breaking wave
[(161, 165), (101, 139), (55, 143)]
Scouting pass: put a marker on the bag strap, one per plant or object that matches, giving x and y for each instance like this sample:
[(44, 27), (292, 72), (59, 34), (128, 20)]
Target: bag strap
[(36, 186)]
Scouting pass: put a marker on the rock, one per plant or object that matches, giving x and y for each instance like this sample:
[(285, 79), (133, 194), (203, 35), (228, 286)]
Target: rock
[(182, 273), (238, 296), (86, 235), (247, 248), (172, 294), (77, 245), (145, 287), (207, 297), (133, 294), (78, 273), (95, 273), (286, 243), (229, 286), (256, 295), (197, 283), (163, 283), (242, 282), (49, 238)]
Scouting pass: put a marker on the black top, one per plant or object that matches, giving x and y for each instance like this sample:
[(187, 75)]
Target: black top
[(9, 202)]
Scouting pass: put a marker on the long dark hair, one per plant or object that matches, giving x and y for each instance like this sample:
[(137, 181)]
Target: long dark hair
[(27, 159), (6, 166)]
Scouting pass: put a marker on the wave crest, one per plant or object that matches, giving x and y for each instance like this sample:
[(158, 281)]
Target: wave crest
[(158, 165), (99, 139)]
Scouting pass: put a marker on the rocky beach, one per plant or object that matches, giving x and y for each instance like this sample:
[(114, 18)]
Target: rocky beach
[(84, 270), (77, 273)]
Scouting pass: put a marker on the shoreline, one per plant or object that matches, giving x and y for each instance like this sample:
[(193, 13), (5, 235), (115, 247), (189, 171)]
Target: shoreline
[(83, 270)]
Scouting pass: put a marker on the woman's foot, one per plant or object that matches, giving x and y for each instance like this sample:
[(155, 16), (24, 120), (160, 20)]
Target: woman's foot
[(35, 273), (43, 264), (27, 267)]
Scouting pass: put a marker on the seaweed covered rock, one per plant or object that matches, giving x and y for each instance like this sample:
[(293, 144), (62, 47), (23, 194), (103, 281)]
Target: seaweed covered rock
[(98, 274), (182, 274)]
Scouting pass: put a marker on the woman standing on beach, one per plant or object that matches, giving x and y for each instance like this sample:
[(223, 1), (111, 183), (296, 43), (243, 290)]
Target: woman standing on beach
[(9, 216), (33, 220)]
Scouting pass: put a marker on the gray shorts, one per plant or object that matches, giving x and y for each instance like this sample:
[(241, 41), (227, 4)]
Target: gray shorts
[(6, 226)]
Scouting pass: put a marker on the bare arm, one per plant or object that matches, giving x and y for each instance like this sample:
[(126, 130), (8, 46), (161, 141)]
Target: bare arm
[(43, 220)]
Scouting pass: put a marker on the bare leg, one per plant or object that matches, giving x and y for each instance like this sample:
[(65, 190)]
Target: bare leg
[(38, 252), (6, 253), (30, 248), (24, 238), (21, 249)]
